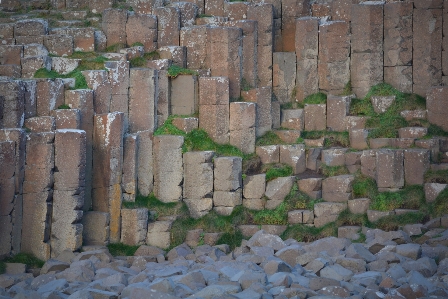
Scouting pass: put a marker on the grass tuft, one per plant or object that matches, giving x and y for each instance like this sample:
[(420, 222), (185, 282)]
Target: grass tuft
[(317, 98), (115, 48), (80, 80), (151, 55), (436, 176), (269, 138), (174, 71), (137, 62), (394, 222), (26, 258), (364, 187), (441, 203), (332, 139), (411, 197), (137, 44), (274, 171), (233, 239), (333, 170), (120, 249), (303, 233)]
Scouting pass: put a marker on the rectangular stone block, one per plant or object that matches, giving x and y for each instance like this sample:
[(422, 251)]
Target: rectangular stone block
[(264, 110), (294, 156), (214, 119), (427, 44), (242, 115), (215, 8), (284, 76), (292, 119), (389, 168), (227, 199), (7, 30), (399, 77), (98, 81), (11, 54), (130, 160), (40, 124), (254, 186), (83, 38), (187, 11), (268, 153), (264, 15), (198, 175), (134, 226), (5, 236), (163, 97), (11, 70), (30, 95), (365, 71), (142, 28), (337, 109), (145, 163), (437, 106), (224, 56), (416, 163), (39, 162), (184, 95), (315, 117), (337, 188), (178, 55), (334, 60), (67, 118), (213, 91), (142, 97), (95, 228), (227, 173), (30, 27), (13, 94), (291, 10), (243, 139), (114, 26), (168, 26), (194, 38), (36, 224)]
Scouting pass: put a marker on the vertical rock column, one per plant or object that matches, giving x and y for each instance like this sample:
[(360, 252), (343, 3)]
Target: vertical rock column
[(38, 194), (264, 15), (398, 45), (82, 99), (198, 182), (68, 196), (168, 26), (98, 81), (145, 172), (307, 48), (168, 167), (114, 26), (284, 76), (11, 196), (292, 9), (214, 107), (224, 54), (119, 83), (108, 168), (13, 95), (334, 56), (366, 47), (427, 47), (264, 113), (389, 169), (194, 38), (130, 167), (242, 126), (142, 28), (49, 95), (227, 184)]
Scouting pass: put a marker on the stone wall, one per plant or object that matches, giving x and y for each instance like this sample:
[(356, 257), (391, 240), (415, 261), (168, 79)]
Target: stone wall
[(66, 172)]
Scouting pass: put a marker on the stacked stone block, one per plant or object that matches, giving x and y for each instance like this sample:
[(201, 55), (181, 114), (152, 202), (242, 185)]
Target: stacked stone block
[(264, 110), (130, 165), (13, 94), (38, 194), (114, 26), (194, 38), (142, 28), (168, 26), (214, 107), (389, 169), (184, 95), (307, 49), (294, 156), (134, 226), (334, 56), (168, 167), (83, 39), (291, 10), (284, 76), (68, 194), (119, 84), (253, 191), (398, 45), (227, 192), (242, 126), (198, 182), (108, 168), (366, 47)]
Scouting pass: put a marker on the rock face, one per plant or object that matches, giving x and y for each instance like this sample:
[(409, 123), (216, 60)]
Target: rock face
[(262, 267)]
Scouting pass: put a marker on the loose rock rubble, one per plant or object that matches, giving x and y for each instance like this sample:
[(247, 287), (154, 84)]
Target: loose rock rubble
[(388, 265)]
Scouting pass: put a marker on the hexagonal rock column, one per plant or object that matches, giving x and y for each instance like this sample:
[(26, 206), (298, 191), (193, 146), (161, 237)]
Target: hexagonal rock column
[(98, 81), (366, 46), (12, 114), (389, 169), (145, 173), (119, 84), (427, 42), (337, 188), (242, 126), (334, 56), (11, 184), (214, 107), (194, 38), (168, 167), (263, 98), (68, 196), (227, 184), (130, 165), (437, 105), (398, 45), (264, 15), (134, 226), (184, 95), (142, 99), (114, 26), (224, 46), (83, 38), (168, 26), (284, 76), (198, 182), (82, 99), (37, 198), (108, 168)]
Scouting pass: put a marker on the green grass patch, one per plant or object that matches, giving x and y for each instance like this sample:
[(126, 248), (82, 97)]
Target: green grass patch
[(434, 131), (411, 197), (137, 62), (303, 233), (317, 98), (274, 171), (84, 55), (137, 44), (174, 71), (269, 138), (2, 267), (277, 216), (26, 258), (115, 48), (245, 85), (440, 205), (333, 170), (120, 249), (364, 187), (202, 15), (64, 106), (152, 55), (153, 204), (348, 218), (347, 89), (394, 222), (80, 80), (436, 176), (233, 239), (332, 139)]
